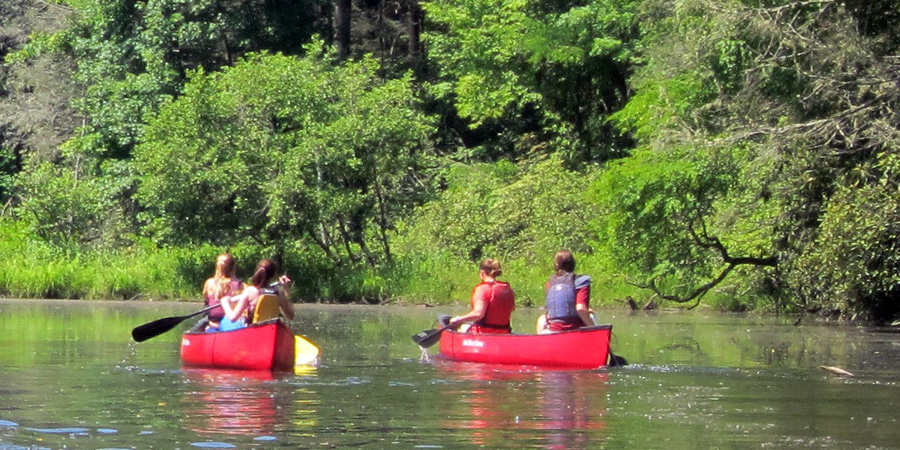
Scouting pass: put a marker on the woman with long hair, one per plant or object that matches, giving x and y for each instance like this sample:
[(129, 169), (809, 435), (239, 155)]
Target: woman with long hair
[(493, 302), (239, 307), (221, 284)]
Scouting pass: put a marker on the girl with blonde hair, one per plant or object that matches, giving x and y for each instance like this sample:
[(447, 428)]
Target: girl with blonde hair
[(222, 283)]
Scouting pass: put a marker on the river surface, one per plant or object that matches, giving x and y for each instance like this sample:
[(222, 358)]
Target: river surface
[(71, 377)]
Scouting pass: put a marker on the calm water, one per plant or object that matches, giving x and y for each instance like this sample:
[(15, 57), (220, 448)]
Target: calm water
[(70, 377)]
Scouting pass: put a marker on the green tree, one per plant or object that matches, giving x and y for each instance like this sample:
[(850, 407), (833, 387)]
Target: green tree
[(534, 72), (673, 221), (811, 101), (278, 150), (505, 211)]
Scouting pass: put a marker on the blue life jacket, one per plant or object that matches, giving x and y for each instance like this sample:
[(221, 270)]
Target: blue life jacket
[(561, 296)]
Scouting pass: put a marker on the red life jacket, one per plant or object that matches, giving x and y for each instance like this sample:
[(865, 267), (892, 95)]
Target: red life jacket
[(499, 307)]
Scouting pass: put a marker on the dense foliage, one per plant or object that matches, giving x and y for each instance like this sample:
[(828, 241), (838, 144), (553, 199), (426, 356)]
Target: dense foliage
[(690, 150)]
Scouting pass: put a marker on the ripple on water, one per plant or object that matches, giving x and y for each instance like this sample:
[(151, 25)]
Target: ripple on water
[(212, 445), (7, 423), (73, 430)]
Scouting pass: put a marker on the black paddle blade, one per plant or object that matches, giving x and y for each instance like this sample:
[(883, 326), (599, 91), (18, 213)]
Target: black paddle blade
[(616, 360), (160, 326), (155, 328), (427, 338)]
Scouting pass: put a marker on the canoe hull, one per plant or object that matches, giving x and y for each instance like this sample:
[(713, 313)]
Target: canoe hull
[(585, 348), (265, 346)]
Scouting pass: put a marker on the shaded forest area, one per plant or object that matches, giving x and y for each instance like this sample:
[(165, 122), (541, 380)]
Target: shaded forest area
[(738, 153)]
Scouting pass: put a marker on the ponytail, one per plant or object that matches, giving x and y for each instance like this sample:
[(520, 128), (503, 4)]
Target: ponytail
[(491, 267), (265, 270)]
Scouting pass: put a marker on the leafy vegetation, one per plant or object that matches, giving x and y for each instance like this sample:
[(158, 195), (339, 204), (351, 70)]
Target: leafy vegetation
[(686, 151)]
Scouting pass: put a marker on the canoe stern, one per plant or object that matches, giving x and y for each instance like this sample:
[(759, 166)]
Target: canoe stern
[(265, 346)]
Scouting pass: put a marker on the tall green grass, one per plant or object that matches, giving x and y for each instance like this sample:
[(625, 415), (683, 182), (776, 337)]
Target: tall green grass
[(31, 268), (441, 279)]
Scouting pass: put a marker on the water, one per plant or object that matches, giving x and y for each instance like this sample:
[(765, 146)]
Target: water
[(70, 377)]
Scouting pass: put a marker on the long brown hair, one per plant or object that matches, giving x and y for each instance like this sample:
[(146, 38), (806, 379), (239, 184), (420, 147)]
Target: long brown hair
[(265, 270), (491, 267), (563, 262), (223, 275)]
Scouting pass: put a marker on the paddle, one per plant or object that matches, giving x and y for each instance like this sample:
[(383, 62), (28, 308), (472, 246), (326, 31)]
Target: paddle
[(427, 338), (616, 360), (160, 326), (306, 353)]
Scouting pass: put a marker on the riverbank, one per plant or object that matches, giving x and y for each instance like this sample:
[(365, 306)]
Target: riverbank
[(34, 269)]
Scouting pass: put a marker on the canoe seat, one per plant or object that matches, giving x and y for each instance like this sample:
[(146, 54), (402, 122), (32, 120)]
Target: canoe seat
[(267, 308)]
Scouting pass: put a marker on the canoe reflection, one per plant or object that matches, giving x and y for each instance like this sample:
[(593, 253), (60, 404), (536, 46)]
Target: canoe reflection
[(550, 409), (231, 402)]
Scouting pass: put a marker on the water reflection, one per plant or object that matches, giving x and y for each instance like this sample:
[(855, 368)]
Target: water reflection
[(557, 409), (573, 405), (747, 383), (231, 402)]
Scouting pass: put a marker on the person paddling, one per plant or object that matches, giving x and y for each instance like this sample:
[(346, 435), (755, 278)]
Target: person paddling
[(567, 299), (221, 284), (493, 302), (239, 307)]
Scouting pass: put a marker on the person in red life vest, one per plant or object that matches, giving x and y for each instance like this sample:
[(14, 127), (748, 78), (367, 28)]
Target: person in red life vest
[(568, 297), (493, 302), (223, 282), (239, 307)]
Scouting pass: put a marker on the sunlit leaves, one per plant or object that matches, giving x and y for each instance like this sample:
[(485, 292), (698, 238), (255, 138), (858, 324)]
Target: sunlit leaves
[(650, 202), (501, 210), (513, 64), (280, 148)]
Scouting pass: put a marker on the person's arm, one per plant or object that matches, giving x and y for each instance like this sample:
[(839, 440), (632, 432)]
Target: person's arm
[(582, 303), (207, 288), (284, 297), (479, 306), (585, 314), (234, 306)]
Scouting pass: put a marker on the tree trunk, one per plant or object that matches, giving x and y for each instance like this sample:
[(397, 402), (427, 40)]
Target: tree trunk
[(342, 28), (383, 217), (414, 31)]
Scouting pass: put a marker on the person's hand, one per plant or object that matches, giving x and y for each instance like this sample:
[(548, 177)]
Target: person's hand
[(284, 280), (454, 321)]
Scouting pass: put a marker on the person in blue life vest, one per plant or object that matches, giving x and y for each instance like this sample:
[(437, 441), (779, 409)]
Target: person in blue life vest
[(567, 297), (221, 284), (238, 308)]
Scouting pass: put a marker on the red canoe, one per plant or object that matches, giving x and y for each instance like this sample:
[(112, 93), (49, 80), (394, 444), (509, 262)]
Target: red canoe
[(267, 345), (585, 348)]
